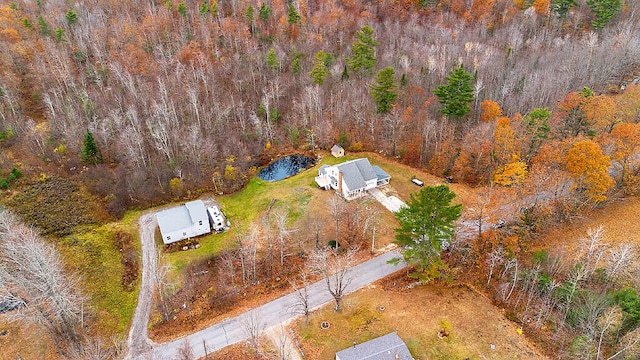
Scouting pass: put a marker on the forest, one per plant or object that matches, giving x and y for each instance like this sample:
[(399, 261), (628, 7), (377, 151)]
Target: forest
[(137, 103)]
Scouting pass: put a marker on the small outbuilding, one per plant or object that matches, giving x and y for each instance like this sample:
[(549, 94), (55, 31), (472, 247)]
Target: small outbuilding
[(387, 347), (183, 222), (337, 151)]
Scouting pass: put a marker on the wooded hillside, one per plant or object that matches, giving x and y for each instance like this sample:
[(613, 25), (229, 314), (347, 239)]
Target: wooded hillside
[(195, 91)]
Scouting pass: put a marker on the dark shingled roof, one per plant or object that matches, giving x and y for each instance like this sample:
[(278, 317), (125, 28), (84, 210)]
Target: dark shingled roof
[(387, 347)]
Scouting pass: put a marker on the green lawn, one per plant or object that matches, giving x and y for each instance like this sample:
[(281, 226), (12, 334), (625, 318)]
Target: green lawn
[(291, 195), (92, 253)]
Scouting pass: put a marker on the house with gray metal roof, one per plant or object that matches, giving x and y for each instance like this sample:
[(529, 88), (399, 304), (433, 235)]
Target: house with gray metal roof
[(387, 347), (183, 222), (353, 178)]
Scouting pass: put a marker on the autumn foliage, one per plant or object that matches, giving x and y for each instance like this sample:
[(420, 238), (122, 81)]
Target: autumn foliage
[(589, 166)]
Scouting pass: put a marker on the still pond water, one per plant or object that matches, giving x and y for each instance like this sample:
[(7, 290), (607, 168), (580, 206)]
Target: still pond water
[(285, 167)]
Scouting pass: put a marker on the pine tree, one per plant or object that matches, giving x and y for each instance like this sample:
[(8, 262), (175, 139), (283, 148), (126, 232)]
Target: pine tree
[(272, 60), (603, 11), (457, 94), (71, 16), (561, 7), (293, 17), (320, 68), (204, 8), (249, 15), (363, 49), (383, 91), (44, 27), (264, 12), (182, 9), (426, 228), (90, 152), (295, 66)]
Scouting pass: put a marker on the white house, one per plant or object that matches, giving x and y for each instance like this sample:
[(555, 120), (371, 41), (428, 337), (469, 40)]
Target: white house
[(183, 222), (353, 178)]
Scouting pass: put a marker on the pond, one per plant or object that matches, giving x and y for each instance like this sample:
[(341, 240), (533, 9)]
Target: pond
[(285, 167)]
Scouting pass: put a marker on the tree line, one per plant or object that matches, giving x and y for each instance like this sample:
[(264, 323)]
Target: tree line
[(197, 92)]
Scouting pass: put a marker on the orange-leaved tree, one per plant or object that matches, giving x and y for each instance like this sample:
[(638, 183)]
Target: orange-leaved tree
[(490, 110), (589, 166), (599, 112), (625, 142)]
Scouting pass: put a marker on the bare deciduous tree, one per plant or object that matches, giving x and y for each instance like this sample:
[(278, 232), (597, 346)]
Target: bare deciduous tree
[(301, 287), (253, 326), (32, 270), (185, 352), (494, 258), (334, 268)]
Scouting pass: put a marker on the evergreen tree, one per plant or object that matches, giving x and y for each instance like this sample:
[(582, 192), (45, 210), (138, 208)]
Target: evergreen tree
[(272, 59), (59, 34), (457, 94), (295, 65), (293, 17), (44, 27), (90, 152), (426, 228), (320, 68), (383, 91), (249, 15), (363, 49), (561, 7), (264, 12), (182, 9), (603, 10), (71, 16), (204, 8)]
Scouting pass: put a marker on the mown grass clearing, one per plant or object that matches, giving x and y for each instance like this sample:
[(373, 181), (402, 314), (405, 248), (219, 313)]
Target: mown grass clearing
[(417, 315), (299, 196)]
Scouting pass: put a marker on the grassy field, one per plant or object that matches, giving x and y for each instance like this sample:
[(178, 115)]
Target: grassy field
[(93, 253), (417, 315), (297, 196)]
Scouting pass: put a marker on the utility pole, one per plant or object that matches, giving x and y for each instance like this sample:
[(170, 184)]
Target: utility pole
[(373, 241)]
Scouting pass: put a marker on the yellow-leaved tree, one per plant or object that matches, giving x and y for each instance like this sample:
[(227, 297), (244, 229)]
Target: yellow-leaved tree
[(589, 166), (504, 145), (512, 173)]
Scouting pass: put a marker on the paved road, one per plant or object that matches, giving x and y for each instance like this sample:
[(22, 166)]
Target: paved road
[(233, 330)]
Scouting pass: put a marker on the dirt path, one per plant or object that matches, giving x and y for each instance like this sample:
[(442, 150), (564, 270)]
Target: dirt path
[(282, 341), (138, 341)]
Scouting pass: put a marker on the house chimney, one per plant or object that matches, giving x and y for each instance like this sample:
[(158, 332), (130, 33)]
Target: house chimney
[(340, 182)]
